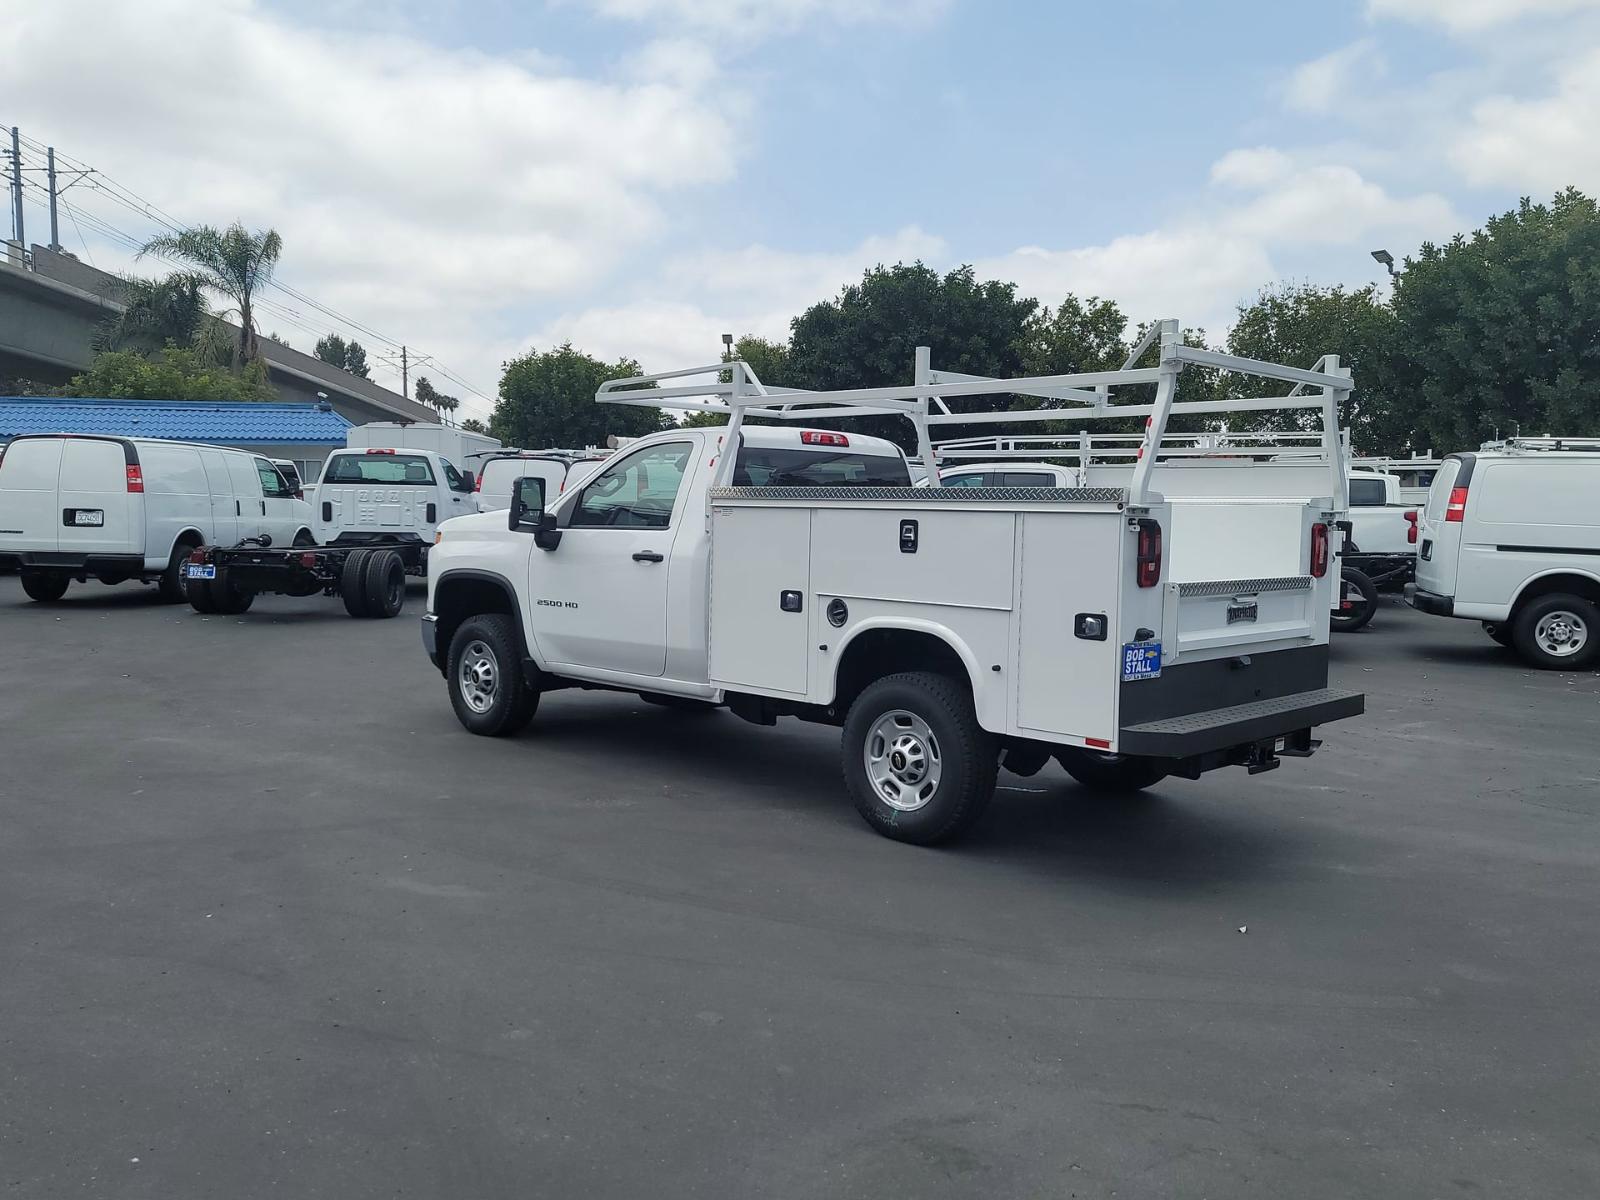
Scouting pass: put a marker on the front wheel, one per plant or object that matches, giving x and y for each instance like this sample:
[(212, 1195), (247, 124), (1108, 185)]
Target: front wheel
[(917, 763), (1559, 632), (484, 670), (1358, 601), (44, 587), (1111, 772)]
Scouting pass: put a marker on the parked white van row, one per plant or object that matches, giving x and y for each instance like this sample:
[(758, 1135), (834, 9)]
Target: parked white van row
[(1511, 537), (76, 507)]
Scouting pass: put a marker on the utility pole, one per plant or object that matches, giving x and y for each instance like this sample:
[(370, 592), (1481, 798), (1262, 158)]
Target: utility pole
[(16, 190), (405, 374), (55, 224)]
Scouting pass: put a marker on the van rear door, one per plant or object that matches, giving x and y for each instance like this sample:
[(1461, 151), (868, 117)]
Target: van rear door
[(30, 518), (100, 513), (1438, 537)]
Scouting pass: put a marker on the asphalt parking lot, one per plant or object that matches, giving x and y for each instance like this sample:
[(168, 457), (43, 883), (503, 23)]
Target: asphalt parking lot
[(274, 925)]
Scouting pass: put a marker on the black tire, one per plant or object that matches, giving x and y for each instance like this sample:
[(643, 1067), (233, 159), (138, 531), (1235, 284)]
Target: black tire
[(1362, 599), (384, 581), (1499, 632), (1122, 773), (683, 704), (353, 582), (1558, 632), (44, 587), (226, 599), (200, 596), (303, 540), (957, 758), (173, 584), (501, 703)]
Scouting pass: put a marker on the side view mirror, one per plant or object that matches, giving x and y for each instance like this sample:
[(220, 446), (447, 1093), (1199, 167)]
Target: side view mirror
[(527, 505)]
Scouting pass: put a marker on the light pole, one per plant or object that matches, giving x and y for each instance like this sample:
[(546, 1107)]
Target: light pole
[(1387, 259)]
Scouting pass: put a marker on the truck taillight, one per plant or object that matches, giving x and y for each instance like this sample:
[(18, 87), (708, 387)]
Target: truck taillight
[(1411, 526), (812, 437), (1456, 510), (1148, 573), (1319, 550), (135, 478), (477, 484)]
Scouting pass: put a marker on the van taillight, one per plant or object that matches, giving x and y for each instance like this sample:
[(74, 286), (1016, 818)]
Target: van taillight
[(1149, 569), (1411, 526), (1456, 510), (135, 478), (1319, 551)]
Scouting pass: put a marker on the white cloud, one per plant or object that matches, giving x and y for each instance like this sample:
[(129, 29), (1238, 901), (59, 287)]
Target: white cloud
[(1321, 85), (679, 319), (757, 18), (1474, 16), (1252, 168), (416, 187), (1537, 144)]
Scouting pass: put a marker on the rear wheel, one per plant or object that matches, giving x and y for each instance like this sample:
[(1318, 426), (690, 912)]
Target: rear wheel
[(488, 691), (43, 586), (917, 763), (384, 582), (1358, 601), (200, 596), (1559, 632), (1498, 631), (174, 584), (227, 599), (353, 582), (1111, 772)]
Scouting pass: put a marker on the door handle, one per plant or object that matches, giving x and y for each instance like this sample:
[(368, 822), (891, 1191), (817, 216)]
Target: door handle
[(263, 508), (237, 511), (648, 556)]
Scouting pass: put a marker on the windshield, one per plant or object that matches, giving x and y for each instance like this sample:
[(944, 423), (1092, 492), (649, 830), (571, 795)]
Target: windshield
[(764, 466), (379, 468)]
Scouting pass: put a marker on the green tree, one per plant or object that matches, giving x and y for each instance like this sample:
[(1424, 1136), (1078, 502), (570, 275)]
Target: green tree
[(867, 336), (473, 425), (174, 373), (233, 262), (156, 313), (347, 356), (426, 393), (547, 400), (1079, 335), (1296, 324), (1500, 331)]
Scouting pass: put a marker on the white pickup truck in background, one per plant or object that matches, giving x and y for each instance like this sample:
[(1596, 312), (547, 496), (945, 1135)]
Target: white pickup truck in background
[(1126, 634)]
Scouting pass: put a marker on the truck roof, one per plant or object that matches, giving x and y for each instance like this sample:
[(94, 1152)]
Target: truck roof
[(794, 439)]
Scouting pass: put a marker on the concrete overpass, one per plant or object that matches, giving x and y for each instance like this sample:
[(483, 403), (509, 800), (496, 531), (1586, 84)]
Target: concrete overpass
[(51, 310)]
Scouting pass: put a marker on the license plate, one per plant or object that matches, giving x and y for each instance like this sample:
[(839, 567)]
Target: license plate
[(1242, 610), (1141, 660), (200, 571), (88, 516)]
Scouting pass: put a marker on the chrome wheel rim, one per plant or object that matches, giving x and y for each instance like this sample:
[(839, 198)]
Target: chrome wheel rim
[(479, 676), (1561, 634), (903, 761)]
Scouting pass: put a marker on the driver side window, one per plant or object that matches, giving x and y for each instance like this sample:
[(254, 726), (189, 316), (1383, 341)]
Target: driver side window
[(637, 492)]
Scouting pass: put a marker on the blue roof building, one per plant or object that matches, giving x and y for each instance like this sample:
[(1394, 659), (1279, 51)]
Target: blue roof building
[(302, 433)]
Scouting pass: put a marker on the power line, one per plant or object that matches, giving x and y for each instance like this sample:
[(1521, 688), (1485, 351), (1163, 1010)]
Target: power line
[(148, 210)]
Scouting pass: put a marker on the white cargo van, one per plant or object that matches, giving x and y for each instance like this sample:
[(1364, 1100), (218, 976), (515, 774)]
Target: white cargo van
[(559, 470), (1511, 537), (80, 506)]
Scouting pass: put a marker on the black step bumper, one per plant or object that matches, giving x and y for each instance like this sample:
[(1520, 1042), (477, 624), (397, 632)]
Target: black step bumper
[(1430, 602), (73, 563), (1241, 724)]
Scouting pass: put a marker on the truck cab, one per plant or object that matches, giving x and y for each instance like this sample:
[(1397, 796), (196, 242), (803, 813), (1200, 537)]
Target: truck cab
[(384, 496)]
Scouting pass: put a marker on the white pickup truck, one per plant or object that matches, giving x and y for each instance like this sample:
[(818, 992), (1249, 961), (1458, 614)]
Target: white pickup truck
[(797, 572)]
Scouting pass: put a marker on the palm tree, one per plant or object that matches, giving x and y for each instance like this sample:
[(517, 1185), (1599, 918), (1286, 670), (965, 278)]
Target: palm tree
[(234, 262)]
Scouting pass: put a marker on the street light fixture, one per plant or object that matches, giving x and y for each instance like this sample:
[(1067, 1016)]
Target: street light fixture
[(1387, 259), (727, 346)]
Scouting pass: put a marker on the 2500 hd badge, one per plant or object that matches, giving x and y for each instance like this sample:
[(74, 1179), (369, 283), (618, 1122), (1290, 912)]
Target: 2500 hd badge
[(556, 603)]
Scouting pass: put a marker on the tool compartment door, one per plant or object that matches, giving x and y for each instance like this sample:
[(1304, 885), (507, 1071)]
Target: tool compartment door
[(758, 555), (1072, 564)]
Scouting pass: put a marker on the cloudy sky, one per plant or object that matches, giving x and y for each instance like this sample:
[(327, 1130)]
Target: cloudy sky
[(477, 177)]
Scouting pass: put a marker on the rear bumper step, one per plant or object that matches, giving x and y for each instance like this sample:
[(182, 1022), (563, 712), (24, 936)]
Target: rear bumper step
[(1219, 729), (53, 560)]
